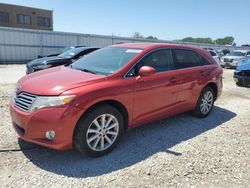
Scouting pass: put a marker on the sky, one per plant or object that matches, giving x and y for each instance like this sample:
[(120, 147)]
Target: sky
[(164, 19)]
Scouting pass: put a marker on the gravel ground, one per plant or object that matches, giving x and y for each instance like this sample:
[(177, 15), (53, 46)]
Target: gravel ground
[(181, 151)]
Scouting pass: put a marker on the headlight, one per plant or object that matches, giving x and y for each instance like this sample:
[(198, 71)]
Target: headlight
[(14, 93), (43, 102), (44, 66), (239, 60)]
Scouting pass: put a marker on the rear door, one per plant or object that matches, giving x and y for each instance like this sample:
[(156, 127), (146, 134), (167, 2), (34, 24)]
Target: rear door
[(191, 69)]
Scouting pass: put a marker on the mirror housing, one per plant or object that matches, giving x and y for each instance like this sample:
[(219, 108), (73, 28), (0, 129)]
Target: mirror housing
[(146, 71)]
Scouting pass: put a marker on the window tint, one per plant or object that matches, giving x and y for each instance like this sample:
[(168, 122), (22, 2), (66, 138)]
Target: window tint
[(23, 19), (161, 60), (4, 17), (188, 58)]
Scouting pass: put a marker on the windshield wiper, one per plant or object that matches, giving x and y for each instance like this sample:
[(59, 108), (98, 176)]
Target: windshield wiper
[(87, 70)]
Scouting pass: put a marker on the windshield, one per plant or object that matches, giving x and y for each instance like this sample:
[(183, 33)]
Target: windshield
[(106, 60), (236, 54), (71, 53)]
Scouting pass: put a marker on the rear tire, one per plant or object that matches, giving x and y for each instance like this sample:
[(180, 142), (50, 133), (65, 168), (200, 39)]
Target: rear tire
[(99, 131), (205, 103)]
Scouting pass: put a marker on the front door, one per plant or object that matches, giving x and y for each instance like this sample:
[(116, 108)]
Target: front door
[(155, 95)]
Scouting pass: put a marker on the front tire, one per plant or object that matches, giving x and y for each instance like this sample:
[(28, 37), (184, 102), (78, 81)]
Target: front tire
[(99, 131), (205, 103)]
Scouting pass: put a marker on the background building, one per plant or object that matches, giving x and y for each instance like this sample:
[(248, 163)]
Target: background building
[(25, 17)]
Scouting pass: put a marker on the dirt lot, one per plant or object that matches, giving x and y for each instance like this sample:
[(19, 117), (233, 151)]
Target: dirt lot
[(181, 151)]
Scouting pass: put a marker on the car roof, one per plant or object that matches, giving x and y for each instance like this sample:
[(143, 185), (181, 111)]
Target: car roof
[(152, 45)]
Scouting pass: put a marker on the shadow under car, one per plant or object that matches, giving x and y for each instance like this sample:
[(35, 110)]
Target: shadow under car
[(140, 143)]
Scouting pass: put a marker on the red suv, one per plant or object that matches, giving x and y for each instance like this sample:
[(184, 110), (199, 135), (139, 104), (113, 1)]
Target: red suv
[(91, 103)]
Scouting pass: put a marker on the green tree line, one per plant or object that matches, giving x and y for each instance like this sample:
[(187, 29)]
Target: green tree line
[(228, 40)]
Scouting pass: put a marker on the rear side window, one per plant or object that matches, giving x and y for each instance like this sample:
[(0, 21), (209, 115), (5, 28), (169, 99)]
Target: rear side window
[(187, 58)]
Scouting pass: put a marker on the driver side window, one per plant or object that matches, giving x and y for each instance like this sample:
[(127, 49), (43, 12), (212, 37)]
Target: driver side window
[(161, 60)]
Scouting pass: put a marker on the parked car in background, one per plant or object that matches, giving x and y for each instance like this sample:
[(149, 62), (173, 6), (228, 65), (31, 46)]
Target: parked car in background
[(223, 53), (234, 58), (245, 45), (215, 55), (61, 51), (65, 58), (242, 73), (91, 103)]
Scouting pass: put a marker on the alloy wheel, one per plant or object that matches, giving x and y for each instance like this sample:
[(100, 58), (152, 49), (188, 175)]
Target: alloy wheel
[(206, 102), (102, 132)]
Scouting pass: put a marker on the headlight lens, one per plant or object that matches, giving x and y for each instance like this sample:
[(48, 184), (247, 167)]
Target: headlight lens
[(43, 102), (44, 66)]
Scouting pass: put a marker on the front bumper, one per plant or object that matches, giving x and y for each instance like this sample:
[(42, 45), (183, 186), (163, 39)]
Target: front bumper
[(32, 127), (242, 80)]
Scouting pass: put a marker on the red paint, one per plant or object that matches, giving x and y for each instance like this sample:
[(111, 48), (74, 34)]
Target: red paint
[(148, 97)]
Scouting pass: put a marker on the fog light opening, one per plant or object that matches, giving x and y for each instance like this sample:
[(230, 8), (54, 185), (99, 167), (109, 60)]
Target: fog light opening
[(50, 135)]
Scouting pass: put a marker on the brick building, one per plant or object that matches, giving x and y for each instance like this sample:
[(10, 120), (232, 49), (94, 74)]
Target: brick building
[(25, 17)]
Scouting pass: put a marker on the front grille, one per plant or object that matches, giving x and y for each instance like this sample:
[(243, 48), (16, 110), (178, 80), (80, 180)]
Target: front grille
[(228, 60), (23, 101)]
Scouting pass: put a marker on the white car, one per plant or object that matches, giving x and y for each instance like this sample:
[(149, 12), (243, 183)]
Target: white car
[(234, 58), (215, 56)]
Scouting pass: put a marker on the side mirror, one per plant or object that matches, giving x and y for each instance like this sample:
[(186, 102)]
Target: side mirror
[(146, 71)]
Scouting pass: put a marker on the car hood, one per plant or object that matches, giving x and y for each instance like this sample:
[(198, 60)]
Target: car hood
[(44, 60), (234, 57), (56, 80), (244, 66)]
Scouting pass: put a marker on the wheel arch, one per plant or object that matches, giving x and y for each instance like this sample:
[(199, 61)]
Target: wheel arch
[(214, 87), (114, 103)]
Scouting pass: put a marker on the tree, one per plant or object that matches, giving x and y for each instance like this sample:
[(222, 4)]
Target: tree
[(198, 40), (152, 38), (229, 40), (137, 35)]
